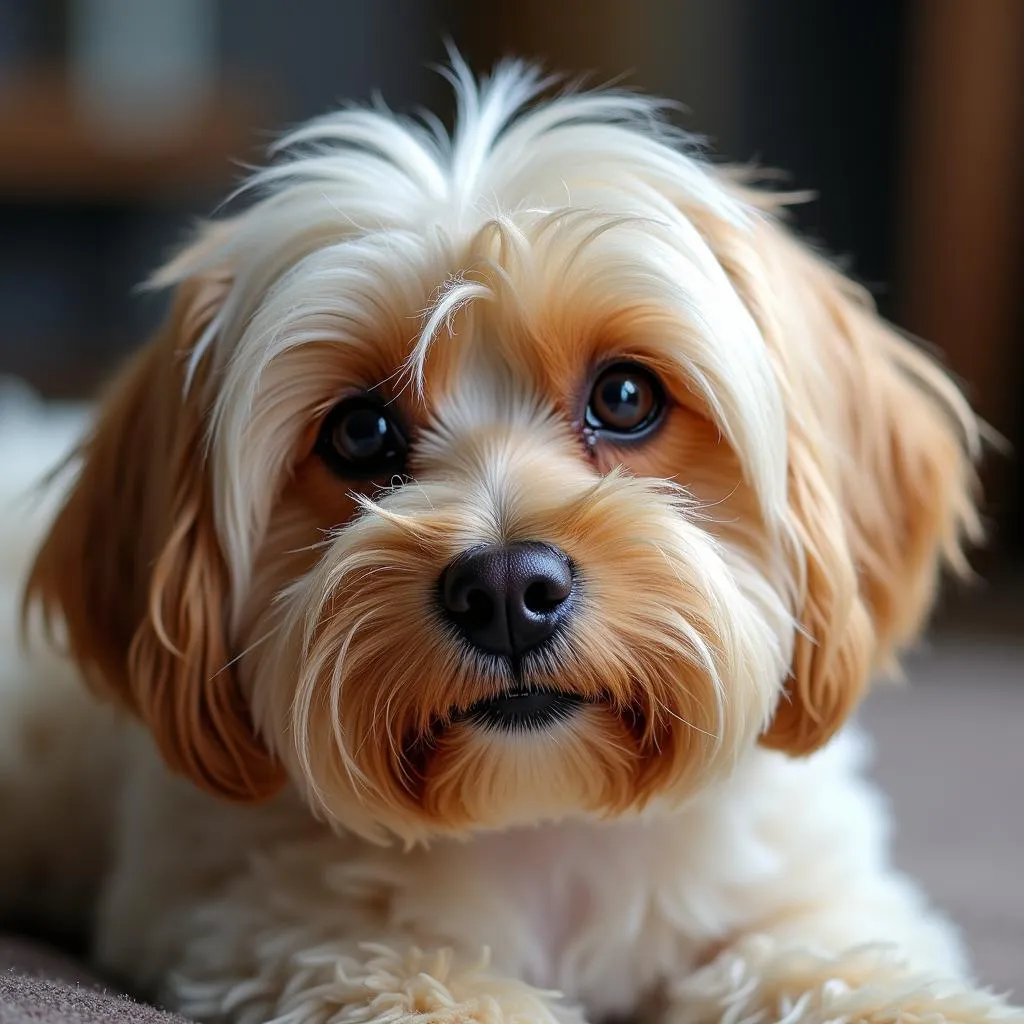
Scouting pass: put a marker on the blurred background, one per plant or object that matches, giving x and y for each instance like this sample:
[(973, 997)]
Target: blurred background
[(122, 119)]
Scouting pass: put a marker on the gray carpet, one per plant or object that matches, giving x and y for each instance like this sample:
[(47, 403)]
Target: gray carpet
[(950, 754)]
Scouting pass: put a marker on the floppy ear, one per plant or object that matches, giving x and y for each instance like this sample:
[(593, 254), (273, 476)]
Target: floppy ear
[(881, 481), (133, 567)]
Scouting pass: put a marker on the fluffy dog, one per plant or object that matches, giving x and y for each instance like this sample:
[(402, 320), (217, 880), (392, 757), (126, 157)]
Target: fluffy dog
[(490, 552)]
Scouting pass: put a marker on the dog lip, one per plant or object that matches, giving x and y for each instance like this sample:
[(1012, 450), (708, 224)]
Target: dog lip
[(523, 709)]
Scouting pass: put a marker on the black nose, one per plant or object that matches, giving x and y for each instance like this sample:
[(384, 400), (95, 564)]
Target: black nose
[(508, 598)]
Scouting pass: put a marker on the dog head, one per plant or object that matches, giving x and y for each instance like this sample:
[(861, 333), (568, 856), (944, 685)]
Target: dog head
[(529, 472)]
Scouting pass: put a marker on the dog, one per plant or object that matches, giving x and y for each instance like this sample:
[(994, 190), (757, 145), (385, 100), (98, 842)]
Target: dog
[(480, 572)]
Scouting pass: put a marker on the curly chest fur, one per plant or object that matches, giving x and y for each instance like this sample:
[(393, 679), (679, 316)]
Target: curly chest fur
[(602, 912)]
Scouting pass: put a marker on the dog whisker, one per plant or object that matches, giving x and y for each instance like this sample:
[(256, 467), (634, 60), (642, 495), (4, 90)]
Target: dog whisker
[(268, 635)]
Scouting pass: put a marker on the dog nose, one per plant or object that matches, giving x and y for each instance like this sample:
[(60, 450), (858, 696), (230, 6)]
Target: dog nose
[(507, 598)]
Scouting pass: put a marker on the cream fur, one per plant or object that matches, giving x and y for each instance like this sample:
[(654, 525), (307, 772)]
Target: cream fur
[(698, 843)]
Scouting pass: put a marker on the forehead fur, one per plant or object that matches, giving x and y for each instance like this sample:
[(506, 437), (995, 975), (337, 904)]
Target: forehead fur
[(577, 216)]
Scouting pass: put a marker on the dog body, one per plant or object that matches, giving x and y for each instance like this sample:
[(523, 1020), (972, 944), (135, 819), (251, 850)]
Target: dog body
[(267, 915), (489, 555)]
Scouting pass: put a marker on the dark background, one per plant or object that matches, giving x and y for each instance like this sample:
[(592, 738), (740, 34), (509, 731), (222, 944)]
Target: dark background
[(905, 118)]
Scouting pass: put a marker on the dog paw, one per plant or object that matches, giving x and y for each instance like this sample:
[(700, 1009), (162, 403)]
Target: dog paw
[(375, 984), (758, 984), (434, 988)]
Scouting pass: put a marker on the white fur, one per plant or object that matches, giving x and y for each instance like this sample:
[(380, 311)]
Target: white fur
[(697, 909)]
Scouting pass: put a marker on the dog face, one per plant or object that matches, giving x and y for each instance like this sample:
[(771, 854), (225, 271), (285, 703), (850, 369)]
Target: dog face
[(530, 473)]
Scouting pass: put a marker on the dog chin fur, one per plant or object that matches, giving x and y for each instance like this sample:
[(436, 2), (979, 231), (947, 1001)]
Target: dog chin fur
[(298, 818)]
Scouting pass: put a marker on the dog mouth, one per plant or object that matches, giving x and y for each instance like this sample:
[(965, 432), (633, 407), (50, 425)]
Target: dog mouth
[(524, 709)]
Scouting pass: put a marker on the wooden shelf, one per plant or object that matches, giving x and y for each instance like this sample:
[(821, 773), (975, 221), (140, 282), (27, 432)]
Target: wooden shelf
[(49, 152)]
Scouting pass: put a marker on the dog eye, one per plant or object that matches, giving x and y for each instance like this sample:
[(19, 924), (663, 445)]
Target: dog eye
[(625, 399), (360, 438)]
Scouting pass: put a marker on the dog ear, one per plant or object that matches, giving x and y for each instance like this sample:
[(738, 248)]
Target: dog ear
[(881, 481), (133, 567)]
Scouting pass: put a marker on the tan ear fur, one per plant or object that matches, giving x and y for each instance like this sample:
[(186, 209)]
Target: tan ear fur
[(133, 568), (881, 480)]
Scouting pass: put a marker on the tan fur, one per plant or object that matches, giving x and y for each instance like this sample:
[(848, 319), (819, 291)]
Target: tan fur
[(132, 568), (881, 478)]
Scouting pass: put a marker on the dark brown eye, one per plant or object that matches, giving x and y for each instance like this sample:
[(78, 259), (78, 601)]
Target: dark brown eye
[(360, 439), (626, 400)]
